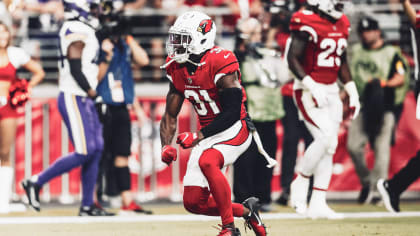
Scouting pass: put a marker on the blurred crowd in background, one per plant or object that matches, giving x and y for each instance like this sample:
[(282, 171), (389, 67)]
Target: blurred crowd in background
[(35, 24)]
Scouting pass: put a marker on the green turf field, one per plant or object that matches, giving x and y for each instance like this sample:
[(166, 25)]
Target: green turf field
[(353, 226)]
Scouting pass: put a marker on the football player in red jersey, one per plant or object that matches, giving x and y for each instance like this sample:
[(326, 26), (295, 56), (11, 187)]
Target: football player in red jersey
[(209, 77), (317, 57)]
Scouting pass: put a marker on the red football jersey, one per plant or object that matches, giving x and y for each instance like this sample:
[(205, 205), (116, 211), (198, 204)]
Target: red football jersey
[(328, 41), (200, 88)]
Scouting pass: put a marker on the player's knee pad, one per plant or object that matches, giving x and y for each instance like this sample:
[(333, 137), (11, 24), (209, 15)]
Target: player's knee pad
[(193, 196), (332, 145), (211, 158), (123, 178), (329, 141)]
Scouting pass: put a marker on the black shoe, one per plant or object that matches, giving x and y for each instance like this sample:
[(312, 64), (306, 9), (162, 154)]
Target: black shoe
[(364, 195), (94, 210), (253, 220), (284, 197), (32, 192), (390, 198)]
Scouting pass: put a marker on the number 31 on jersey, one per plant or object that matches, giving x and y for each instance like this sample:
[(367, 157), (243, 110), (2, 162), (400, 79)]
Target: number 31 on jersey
[(199, 103)]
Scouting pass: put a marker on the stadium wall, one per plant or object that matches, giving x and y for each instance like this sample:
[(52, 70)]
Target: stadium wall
[(42, 138)]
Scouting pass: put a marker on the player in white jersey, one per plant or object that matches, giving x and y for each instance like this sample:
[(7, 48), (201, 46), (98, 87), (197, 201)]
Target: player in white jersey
[(71, 33), (78, 80)]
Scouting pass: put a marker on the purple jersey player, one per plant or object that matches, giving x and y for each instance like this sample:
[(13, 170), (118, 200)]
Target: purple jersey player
[(78, 79)]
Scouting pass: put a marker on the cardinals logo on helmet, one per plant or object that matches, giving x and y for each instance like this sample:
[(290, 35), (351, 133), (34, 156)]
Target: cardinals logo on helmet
[(205, 26)]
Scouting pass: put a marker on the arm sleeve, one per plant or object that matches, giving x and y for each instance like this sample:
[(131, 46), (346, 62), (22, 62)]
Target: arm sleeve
[(76, 72), (231, 103)]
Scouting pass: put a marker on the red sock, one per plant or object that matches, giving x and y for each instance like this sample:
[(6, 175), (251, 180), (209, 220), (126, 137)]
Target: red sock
[(198, 200), (211, 161)]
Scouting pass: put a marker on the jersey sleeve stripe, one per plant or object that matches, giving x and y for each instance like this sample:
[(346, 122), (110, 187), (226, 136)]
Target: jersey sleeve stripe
[(225, 66), (169, 77), (311, 31), (218, 76)]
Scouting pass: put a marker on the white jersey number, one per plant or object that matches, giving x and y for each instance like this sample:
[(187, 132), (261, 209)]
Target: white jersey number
[(330, 47), (199, 105)]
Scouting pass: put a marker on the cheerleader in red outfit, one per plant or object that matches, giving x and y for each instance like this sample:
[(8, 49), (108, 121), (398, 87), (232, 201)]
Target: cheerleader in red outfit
[(13, 92)]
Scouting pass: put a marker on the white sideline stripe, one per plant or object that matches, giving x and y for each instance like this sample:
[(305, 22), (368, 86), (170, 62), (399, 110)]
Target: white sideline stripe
[(175, 218)]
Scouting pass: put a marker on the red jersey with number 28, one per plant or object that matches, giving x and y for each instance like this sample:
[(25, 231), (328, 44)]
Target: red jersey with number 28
[(200, 88), (328, 41)]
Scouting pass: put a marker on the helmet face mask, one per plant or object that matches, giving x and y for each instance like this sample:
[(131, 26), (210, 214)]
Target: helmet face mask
[(192, 33), (178, 46)]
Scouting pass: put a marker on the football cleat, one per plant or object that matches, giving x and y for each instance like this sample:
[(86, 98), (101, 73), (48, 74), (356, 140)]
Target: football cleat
[(299, 193), (322, 211), (32, 193), (253, 220), (132, 209), (94, 210), (229, 232), (391, 199)]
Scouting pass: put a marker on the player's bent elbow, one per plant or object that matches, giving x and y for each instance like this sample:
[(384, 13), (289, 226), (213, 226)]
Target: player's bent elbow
[(332, 146), (329, 142)]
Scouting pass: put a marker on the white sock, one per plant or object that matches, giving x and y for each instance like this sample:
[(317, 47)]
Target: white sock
[(303, 180), (318, 197), (6, 179)]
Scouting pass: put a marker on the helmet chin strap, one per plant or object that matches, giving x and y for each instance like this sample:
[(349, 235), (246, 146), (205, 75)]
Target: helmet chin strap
[(188, 60), (167, 64), (195, 63)]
